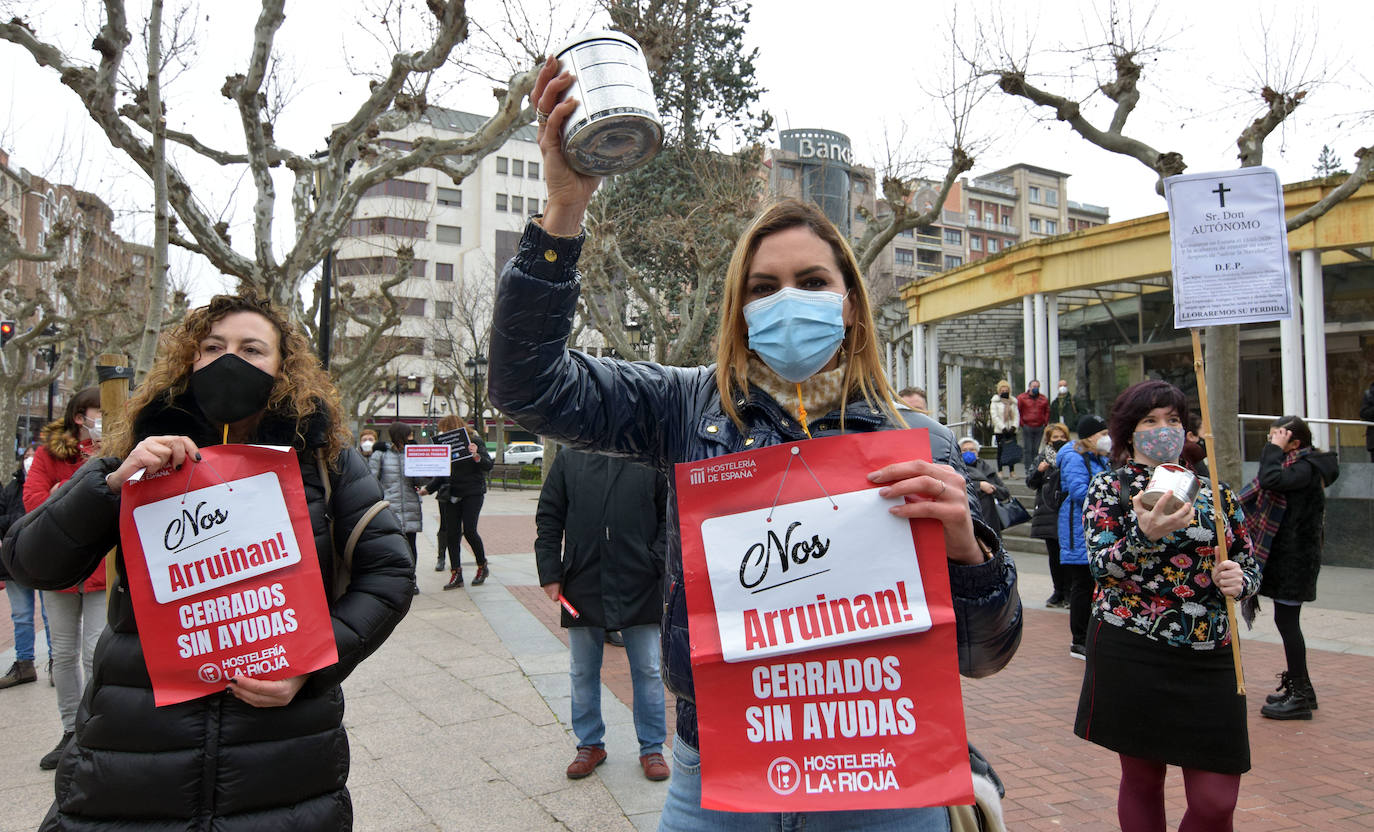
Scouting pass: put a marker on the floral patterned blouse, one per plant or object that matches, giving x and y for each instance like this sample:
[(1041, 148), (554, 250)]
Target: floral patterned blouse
[(1162, 590)]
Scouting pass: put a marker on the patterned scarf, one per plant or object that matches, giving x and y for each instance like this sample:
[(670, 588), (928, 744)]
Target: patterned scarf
[(820, 394), (1264, 509)]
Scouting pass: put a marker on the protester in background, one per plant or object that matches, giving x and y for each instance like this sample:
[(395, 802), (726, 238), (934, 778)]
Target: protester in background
[(1064, 409), (1285, 514), (1194, 456), (1003, 413), (263, 754), (914, 398), (1033, 408), (1367, 415), (1042, 474), (984, 479), (600, 544), (460, 496), (388, 465), (1160, 685), (796, 358), (75, 614), (22, 671), (367, 440), (1078, 463)]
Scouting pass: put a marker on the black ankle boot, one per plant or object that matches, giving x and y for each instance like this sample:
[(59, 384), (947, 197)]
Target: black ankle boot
[(1287, 684), (456, 580), (1293, 706)]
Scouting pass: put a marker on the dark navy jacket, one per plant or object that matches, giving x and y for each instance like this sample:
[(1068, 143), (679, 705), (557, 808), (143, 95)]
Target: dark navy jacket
[(665, 415)]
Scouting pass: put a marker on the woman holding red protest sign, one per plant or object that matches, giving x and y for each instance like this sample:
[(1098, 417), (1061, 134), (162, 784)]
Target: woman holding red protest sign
[(262, 753), (1159, 639), (797, 358)]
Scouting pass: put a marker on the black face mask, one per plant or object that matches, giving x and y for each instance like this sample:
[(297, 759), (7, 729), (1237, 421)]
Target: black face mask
[(1005, 395), (1059, 443), (229, 389)]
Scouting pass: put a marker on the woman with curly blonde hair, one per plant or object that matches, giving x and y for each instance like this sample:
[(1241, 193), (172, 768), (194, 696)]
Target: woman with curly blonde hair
[(263, 753)]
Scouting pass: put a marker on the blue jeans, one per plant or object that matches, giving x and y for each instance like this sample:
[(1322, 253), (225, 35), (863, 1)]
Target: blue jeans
[(21, 613), (682, 810), (641, 647)]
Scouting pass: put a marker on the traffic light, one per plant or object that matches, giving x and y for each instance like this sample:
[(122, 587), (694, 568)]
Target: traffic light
[(7, 331)]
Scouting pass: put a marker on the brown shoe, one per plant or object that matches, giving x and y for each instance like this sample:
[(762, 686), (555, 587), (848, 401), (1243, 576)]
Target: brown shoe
[(654, 767), (19, 673), (588, 758)]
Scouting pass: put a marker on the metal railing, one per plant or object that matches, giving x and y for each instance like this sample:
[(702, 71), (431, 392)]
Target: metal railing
[(1259, 417)]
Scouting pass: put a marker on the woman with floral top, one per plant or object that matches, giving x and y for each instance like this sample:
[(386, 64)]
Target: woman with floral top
[(1160, 687)]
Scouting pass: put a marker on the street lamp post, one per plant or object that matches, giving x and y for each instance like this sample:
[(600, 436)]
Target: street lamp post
[(477, 366), (50, 355)]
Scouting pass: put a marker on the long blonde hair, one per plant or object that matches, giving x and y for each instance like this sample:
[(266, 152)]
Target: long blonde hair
[(863, 368), (302, 386)]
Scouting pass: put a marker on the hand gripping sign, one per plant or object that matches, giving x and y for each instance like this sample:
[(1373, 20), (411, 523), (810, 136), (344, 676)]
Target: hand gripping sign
[(223, 572), (823, 642)]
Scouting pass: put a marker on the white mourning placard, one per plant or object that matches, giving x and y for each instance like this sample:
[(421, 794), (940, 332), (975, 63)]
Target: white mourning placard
[(1230, 248)]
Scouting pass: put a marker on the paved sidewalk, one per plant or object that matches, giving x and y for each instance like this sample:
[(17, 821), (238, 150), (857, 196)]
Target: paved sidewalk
[(461, 720)]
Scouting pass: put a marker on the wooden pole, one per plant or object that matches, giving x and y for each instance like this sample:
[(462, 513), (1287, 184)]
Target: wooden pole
[(114, 373), (1219, 517)]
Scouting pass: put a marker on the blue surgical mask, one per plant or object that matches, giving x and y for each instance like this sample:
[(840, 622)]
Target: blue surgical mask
[(970, 457), (796, 332)]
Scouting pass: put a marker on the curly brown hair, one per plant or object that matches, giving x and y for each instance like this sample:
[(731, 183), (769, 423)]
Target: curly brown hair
[(302, 387)]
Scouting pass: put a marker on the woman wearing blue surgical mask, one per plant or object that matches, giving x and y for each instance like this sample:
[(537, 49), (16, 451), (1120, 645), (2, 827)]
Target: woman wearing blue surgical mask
[(796, 358), (983, 480)]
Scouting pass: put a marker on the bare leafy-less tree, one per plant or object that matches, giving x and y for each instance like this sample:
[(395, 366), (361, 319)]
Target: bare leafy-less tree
[(321, 206), (1281, 81), (70, 314)]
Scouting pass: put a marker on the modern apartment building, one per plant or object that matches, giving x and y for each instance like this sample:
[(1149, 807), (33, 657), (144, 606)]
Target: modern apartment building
[(461, 234)]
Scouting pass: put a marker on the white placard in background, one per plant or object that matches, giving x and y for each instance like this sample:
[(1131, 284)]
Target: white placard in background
[(1230, 248), (427, 460)]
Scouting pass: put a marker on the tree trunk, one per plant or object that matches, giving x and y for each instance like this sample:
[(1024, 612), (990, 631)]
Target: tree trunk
[(1222, 356), (157, 290)]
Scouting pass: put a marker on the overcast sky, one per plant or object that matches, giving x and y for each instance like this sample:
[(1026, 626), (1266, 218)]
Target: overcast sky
[(872, 69)]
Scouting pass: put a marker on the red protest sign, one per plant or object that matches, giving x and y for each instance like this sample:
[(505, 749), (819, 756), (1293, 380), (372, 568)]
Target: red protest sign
[(223, 572), (823, 639)]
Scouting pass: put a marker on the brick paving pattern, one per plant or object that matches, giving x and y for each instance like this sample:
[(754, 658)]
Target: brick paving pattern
[(1306, 775)]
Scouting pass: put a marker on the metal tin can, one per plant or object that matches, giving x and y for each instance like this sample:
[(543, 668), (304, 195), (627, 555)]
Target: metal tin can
[(616, 126), (1174, 484)]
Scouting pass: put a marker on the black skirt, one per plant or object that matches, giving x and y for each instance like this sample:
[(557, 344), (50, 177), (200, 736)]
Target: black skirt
[(1176, 705)]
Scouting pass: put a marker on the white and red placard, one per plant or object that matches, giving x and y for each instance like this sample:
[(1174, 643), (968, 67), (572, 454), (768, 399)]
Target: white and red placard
[(223, 573), (427, 460), (822, 630)]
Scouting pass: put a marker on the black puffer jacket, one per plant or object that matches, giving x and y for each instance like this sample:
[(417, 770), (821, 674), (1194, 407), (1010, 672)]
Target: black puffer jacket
[(1295, 554), (466, 478), (601, 535), (1045, 518), (664, 415), (213, 763), (11, 509)]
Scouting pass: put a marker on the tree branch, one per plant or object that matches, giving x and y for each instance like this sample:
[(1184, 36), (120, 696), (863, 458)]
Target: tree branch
[(1163, 164), (1352, 183)]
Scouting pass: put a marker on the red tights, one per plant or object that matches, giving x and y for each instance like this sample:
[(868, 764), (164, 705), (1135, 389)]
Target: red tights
[(1140, 803)]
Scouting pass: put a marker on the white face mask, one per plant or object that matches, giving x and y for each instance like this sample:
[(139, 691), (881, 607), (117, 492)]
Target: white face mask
[(1104, 445), (366, 445), (28, 463), (1063, 390), (94, 426)]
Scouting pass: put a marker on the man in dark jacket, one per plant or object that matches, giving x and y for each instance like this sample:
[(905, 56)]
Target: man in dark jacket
[(21, 597), (600, 545)]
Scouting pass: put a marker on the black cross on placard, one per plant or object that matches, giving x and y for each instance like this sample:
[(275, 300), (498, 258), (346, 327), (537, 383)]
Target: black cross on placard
[(1221, 191)]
